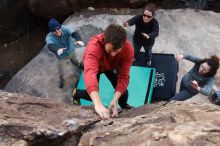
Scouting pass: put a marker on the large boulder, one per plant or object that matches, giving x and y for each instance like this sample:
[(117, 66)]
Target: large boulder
[(27, 120), (195, 4), (175, 123), (61, 9), (3, 5), (57, 8), (191, 31), (15, 19), (40, 78), (30, 121)]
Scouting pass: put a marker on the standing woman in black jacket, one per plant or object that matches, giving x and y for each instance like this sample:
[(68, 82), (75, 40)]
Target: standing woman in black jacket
[(146, 29)]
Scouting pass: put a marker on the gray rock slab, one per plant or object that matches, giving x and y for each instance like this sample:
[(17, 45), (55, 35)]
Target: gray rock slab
[(40, 78), (181, 30)]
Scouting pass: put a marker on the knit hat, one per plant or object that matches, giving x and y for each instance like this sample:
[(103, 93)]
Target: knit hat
[(53, 24)]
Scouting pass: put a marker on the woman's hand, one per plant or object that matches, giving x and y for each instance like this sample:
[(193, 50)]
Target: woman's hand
[(179, 57), (125, 24), (195, 85), (145, 35)]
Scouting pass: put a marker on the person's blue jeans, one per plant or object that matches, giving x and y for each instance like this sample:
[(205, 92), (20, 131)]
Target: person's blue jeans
[(184, 93), (147, 49)]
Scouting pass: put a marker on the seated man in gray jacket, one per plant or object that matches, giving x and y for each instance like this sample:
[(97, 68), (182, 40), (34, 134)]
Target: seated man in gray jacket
[(60, 42), (199, 79)]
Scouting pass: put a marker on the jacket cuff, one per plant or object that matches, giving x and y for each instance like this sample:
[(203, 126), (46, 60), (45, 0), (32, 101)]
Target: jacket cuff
[(92, 88), (120, 90)]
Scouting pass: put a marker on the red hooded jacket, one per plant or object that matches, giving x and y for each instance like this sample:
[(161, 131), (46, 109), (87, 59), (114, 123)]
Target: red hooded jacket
[(96, 60)]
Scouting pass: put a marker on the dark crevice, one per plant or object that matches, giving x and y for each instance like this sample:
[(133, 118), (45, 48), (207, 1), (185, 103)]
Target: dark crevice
[(68, 139)]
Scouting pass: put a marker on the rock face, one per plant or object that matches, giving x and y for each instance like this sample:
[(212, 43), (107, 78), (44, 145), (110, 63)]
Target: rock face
[(3, 5), (15, 19), (59, 9), (191, 31), (195, 4), (172, 124), (40, 78), (26, 120), (63, 8), (31, 121)]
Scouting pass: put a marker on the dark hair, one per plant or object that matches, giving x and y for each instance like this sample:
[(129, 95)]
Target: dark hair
[(213, 62), (116, 35), (150, 7)]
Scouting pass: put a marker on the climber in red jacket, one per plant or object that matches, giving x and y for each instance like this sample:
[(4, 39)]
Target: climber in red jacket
[(109, 53)]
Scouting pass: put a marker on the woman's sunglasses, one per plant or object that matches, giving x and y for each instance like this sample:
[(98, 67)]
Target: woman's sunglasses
[(148, 16)]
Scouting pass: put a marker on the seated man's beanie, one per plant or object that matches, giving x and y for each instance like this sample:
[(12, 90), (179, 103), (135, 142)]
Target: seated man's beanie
[(53, 24)]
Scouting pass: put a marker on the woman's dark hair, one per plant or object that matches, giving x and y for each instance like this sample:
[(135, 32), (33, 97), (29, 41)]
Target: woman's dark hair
[(116, 35), (213, 62), (150, 7)]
